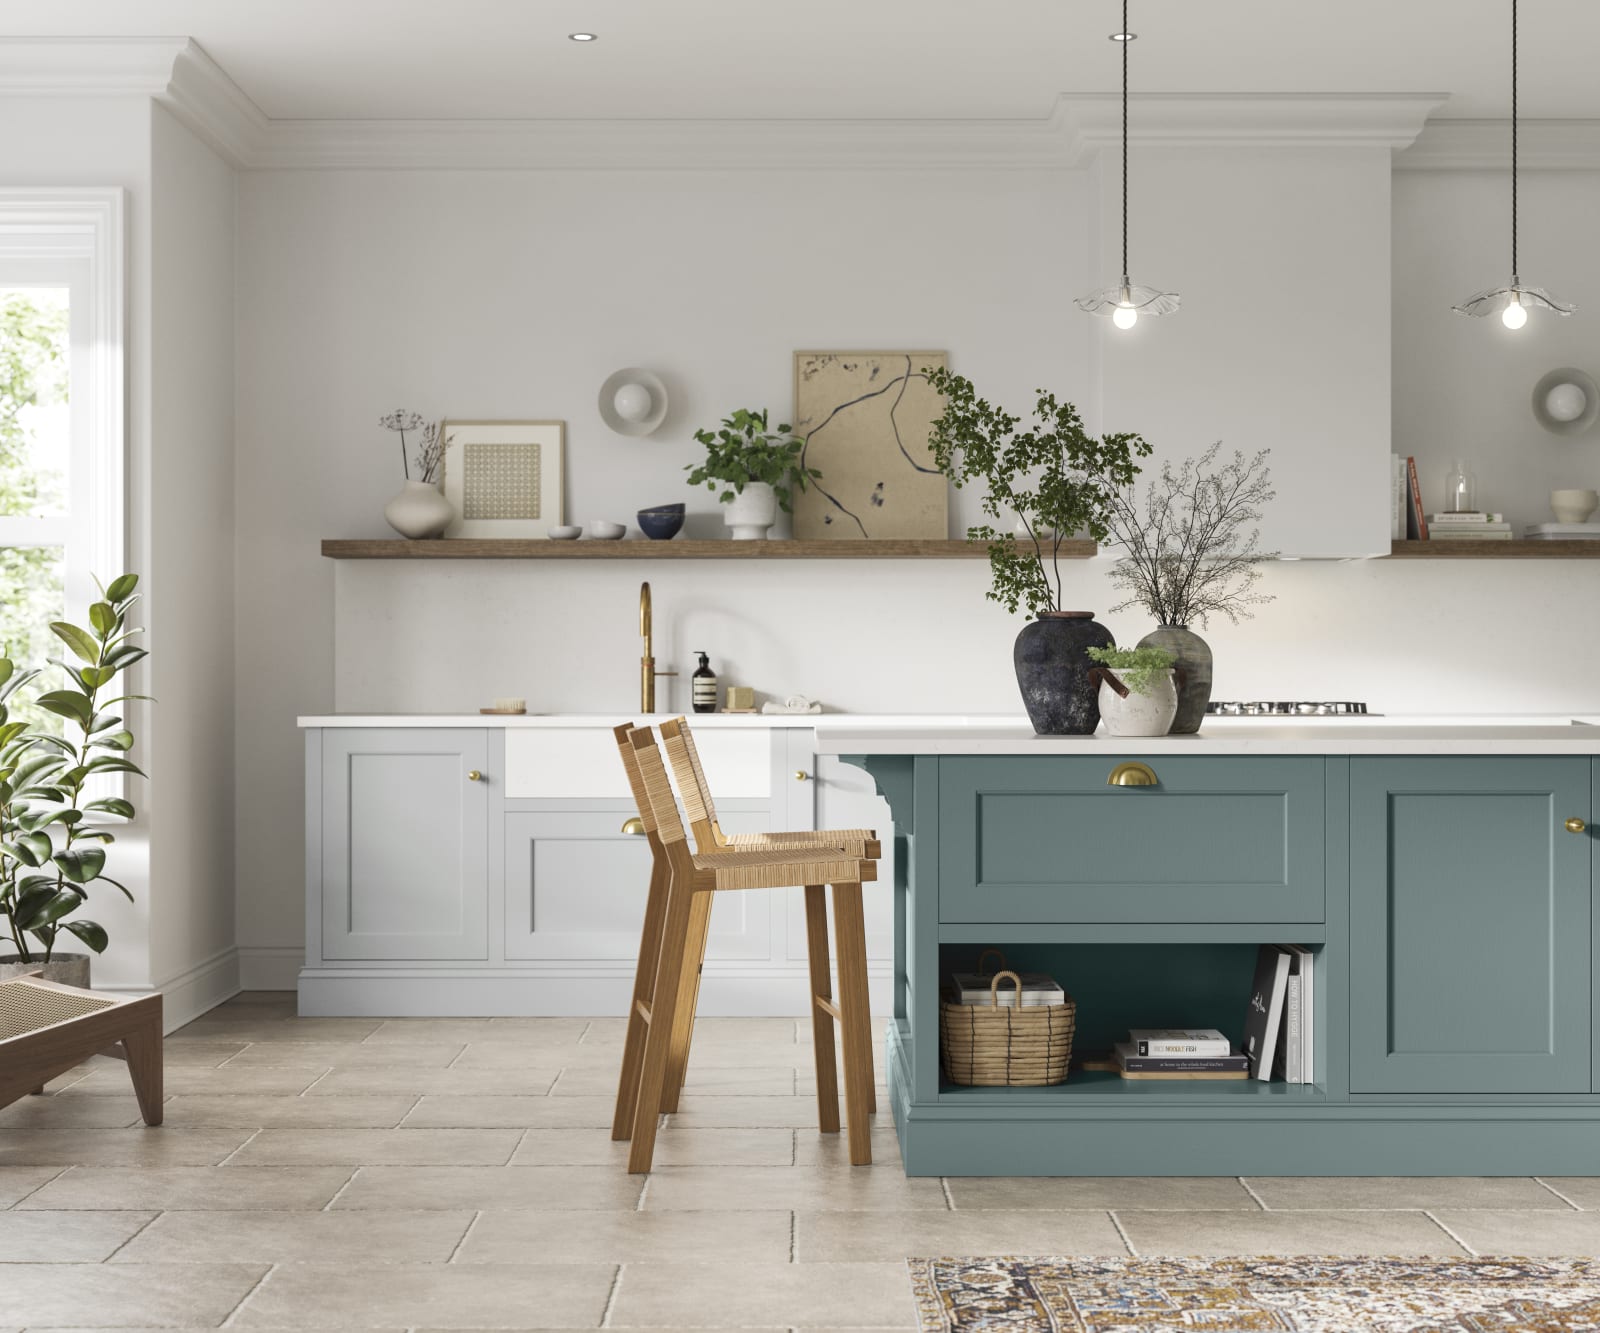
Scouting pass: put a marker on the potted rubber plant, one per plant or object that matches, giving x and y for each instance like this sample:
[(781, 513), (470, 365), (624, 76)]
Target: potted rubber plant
[(1138, 689), (1053, 482), (54, 833), (757, 468)]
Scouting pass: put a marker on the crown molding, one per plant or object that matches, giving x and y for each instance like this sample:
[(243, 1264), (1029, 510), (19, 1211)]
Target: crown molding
[(1252, 120), (87, 67), (1485, 145), (199, 92)]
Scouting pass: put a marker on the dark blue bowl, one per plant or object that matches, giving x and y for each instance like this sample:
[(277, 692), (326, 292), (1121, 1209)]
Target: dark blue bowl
[(662, 523)]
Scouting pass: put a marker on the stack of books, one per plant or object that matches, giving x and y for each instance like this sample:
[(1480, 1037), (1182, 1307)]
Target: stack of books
[(1279, 1024), (1037, 989), (1475, 527), (1556, 532), (1179, 1053)]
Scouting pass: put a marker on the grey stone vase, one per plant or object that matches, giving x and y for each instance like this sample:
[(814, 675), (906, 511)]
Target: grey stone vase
[(1194, 690), (1053, 668), (65, 969)]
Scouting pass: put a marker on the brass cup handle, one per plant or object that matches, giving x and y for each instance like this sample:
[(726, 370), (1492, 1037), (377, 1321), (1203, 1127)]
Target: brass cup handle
[(1133, 775), (474, 776), (800, 775), (634, 826), (1576, 825)]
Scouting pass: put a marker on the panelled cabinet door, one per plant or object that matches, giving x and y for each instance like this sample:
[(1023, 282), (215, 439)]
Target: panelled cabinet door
[(405, 844), (1469, 924)]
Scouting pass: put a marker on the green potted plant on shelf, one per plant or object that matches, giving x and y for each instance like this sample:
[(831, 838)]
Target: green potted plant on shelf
[(758, 469), (54, 832), (1052, 483), (1138, 689)]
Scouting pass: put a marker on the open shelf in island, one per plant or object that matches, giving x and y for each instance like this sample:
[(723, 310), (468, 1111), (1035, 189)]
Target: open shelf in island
[(1098, 1085)]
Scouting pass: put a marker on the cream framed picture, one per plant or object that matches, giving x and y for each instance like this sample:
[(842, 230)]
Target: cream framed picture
[(503, 478)]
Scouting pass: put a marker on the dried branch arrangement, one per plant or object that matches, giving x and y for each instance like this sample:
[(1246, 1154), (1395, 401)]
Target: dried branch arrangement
[(1193, 547)]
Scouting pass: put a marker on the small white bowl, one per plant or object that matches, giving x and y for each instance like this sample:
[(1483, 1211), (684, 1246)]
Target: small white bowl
[(600, 530), (569, 533)]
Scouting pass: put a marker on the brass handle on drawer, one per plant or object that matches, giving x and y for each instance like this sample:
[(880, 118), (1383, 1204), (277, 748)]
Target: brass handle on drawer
[(800, 775), (1133, 775), (1576, 825), (474, 776), (634, 825)]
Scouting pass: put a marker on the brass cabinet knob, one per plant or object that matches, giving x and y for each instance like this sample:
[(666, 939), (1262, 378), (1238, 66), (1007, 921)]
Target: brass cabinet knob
[(634, 825), (1576, 825), (800, 775), (1132, 775), (474, 776)]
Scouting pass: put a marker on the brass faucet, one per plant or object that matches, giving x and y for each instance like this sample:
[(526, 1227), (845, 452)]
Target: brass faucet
[(647, 663)]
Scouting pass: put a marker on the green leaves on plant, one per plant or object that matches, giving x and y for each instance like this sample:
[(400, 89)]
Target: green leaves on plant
[(121, 588), (75, 639), (92, 933), (52, 910), (106, 763), (80, 864), (31, 849), (68, 704), (103, 618), (124, 656), (745, 450), (110, 805)]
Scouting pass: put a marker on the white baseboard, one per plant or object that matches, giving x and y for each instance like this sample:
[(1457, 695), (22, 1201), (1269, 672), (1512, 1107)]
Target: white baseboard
[(398, 992), (190, 993), (270, 969)]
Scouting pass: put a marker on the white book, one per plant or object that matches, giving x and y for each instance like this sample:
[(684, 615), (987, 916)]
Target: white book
[(1164, 1042), (1465, 520), (1289, 1043), (1301, 965), (1397, 498), (1557, 531)]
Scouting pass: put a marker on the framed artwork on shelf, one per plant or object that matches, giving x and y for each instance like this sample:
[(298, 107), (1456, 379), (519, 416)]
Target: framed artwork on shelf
[(503, 478), (866, 417)]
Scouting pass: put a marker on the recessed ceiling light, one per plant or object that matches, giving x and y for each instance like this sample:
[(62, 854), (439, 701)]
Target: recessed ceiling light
[(1124, 36), (582, 37)]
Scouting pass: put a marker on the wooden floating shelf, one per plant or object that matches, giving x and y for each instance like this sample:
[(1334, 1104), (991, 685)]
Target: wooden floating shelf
[(1482, 550), (469, 548)]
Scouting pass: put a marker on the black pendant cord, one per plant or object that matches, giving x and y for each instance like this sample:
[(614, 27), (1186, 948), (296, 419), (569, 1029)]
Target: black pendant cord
[(1514, 269), (1127, 41)]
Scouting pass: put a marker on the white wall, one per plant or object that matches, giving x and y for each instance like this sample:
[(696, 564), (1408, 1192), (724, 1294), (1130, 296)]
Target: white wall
[(190, 607)]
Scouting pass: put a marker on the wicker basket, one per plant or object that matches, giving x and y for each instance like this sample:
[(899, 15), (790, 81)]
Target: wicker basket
[(995, 1046)]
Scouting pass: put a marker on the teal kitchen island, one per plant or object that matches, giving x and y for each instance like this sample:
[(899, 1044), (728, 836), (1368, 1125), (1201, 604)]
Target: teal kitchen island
[(1443, 876)]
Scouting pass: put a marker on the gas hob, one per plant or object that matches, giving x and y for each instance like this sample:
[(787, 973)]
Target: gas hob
[(1282, 708)]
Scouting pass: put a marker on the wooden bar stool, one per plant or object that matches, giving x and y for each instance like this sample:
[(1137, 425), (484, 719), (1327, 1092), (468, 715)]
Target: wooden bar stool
[(701, 809), (692, 876)]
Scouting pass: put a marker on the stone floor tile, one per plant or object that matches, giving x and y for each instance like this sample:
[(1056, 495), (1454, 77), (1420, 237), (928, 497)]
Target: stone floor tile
[(269, 1188), (276, 1112), (201, 1080), (1101, 1192), (509, 1112), (392, 1237), (144, 1146), (348, 1055), (756, 1081), (17, 1182), (1326, 1192), (286, 1030), (379, 1147), (710, 1032), (1342, 1232), (812, 1147), (439, 1296), (124, 1295), (868, 1237), (628, 1237), (415, 1081), (549, 1034), (1531, 1232), (61, 1238), (594, 1146), (548, 1188), (1584, 1191), (175, 1054), (814, 1189), (66, 1111), (699, 1110), (734, 1295)]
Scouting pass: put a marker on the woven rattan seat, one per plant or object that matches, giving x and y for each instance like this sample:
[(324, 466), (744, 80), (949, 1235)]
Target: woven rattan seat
[(672, 943), (46, 1029)]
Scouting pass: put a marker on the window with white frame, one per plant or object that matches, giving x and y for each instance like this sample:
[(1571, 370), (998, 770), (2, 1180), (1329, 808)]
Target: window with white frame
[(61, 409)]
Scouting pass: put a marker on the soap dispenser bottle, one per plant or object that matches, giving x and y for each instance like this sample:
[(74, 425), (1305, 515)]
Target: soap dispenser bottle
[(703, 686)]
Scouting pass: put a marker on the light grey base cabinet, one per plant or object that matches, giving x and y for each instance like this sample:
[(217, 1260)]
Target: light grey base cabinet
[(430, 892)]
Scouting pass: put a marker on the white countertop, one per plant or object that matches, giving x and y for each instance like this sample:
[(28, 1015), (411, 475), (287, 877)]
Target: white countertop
[(514, 721)]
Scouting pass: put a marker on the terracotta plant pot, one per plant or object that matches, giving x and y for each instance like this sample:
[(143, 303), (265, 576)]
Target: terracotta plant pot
[(65, 969)]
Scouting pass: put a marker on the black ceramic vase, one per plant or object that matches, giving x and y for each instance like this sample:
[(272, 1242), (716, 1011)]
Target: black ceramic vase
[(1053, 671)]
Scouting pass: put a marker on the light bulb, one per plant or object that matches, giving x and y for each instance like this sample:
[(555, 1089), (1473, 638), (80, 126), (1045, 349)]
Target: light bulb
[(1125, 316), (1514, 316)]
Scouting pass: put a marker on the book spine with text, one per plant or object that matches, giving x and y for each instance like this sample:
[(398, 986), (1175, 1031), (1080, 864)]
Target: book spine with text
[(1182, 1050), (1293, 1032), (1418, 526)]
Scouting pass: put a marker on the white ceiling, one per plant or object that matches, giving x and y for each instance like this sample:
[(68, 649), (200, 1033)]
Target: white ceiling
[(840, 59)]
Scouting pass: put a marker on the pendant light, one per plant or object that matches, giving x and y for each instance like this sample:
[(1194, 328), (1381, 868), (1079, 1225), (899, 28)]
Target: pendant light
[(1125, 302), (1512, 303)]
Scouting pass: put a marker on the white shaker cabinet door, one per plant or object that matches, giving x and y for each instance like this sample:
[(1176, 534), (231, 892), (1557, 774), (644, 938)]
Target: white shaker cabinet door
[(405, 827)]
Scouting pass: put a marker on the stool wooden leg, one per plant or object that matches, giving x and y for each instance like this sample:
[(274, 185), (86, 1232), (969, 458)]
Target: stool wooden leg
[(822, 1018), (144, 1067), (644, 982), (658, 1041), (688, 1001), (851, 935)]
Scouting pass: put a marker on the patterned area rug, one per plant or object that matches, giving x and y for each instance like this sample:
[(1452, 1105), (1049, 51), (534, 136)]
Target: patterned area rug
[(1306, 1295)]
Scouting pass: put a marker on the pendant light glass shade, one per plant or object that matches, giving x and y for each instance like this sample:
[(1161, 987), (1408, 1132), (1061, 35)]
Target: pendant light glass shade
[(1512, 303), (1126, 302)]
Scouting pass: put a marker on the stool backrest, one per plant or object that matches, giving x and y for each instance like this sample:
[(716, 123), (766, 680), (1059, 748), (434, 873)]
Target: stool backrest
[(692, 785), (630, 764), (657, 789)]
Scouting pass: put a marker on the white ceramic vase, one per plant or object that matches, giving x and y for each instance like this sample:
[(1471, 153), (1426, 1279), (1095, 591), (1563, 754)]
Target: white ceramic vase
[(419, 511), (751, 512), (1136, 714)]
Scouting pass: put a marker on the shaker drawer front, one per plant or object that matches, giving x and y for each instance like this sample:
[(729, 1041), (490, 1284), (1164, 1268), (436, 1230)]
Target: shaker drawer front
[(554, 763), (1217, 839)]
